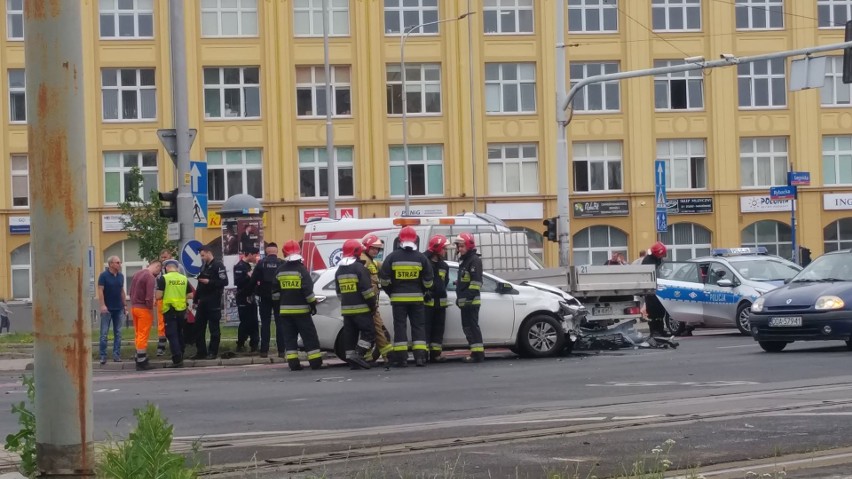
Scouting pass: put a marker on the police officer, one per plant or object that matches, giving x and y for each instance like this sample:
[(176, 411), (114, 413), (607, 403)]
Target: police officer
[(263, 277), (468, 286), (297, 305), (173, 290), (358, 301), (208, 297), (653, 307), (246, 306), (373, 246), (436, 309), (407, 277)]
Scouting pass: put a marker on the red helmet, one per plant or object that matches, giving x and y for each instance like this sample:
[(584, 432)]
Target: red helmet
[(352, 248), (658, 249), (407, 235), (292, 251), (372, 241), (466, 239), (438, 243)]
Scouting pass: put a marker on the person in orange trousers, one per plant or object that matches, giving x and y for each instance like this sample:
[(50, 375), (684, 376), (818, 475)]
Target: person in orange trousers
[(142, 309)]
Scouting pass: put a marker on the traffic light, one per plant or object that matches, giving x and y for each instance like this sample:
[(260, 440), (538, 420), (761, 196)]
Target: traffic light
[(169, 205), (550, 232), (804, 256), (847, 55)]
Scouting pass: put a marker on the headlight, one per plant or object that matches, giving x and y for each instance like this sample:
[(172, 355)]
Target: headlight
[(828, 302), (757, 306)]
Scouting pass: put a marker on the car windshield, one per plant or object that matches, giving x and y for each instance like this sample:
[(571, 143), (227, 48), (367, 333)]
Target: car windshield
[(830, 267), (766, 269)]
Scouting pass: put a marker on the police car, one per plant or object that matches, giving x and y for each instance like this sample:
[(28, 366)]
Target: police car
[(719, 290)]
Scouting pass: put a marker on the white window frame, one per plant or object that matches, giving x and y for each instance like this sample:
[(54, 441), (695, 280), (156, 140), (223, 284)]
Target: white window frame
[(609, 249), (128, 268), (319, 162), (773, 247), (309, 13), (682, 251), (17, 91), (497, 10), (413, 162), (150, 173), (243, 167), (834, 87), (427, 12), (676, 7), (587, 8), (19, 268), (221, 87), (14, 13), (521, 155), (830, 7), (584, 98), (412, 87), (838, 156), (758, 8), (756, 83), (500, 84), (141, 8), (691, 78), (143, 93), (840, 242), (749, 152), (19, 173), (675, 152), (316, 87), (243, 12), (583, 154)]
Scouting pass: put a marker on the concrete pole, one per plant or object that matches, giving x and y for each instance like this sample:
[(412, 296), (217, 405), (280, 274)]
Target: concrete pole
[(59, 211), (562, 160), (180, 99), (472, 105), (402, 40), (329, 128)]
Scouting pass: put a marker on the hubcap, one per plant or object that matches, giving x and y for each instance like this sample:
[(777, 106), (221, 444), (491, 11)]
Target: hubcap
[(673, 324), (744, 319), (542, 336)]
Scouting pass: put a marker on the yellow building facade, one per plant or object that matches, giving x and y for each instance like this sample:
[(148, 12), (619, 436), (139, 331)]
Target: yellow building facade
[(481, 117)]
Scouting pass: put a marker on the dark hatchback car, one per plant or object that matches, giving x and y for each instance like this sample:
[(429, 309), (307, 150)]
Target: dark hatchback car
[(816, 305)]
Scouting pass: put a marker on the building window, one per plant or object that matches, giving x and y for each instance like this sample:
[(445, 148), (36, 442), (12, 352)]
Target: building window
[(17, 96), (129, 94), (678, 91), (422, 88), (838, 235), (512, 169), (686, 241), (117, 178), (310, 91), (508, 16), (762, 84), (20, 181), (834, 13), (131, 261), (837, 160), (15, 19), (676, 15), (760, 14), (835, 92), (233, 172), (686, 163), (307, 18), (21, 272), (597, 166), (425, 170), (400, 15), (231, 92), (313, 172), (763, 162), (597, 244), (127, 18), (510, 87), (597, 97), (775, 236), (592, 16), (228, 18)]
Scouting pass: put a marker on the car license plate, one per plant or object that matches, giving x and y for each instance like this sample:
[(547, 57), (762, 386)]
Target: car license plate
[(786, 321), (601, 311)]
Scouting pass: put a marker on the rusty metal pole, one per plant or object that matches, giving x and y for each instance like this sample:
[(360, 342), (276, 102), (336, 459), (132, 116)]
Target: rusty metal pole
[(59, 210)]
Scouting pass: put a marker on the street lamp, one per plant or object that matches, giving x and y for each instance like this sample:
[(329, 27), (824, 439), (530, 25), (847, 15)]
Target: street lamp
[(402, 40)]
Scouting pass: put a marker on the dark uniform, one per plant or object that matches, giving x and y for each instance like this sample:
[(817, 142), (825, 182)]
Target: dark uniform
[(208, 297), (297, 304), (263, 277), (467, 291), (436, 308), (653, 307), (406, 275), (175, 288), (358, 301), (246, 307)]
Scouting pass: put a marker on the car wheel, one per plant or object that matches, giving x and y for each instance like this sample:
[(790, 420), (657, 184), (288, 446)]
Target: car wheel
[(772, 346), (673, 326), (541, 336), (743, 313), (339, 347)]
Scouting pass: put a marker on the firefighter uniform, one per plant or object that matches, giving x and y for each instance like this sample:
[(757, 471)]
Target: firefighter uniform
[(358, 301), (246, 307), (467, 290), (297, 304), (175, 288), (406, 275), (382, 334), (436, 308), (263, 277)]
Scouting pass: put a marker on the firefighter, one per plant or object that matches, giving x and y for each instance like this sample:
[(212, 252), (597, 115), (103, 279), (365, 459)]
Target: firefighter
[(468, 284), (407, 277), (653, 307), (173, 290), (373, 246), (246, 306), (263, 277), (297, 304), (358, 302), (436, 309)]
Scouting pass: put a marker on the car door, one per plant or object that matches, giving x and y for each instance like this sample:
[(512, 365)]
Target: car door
[(720, 307), (497, 313), (681, 291)]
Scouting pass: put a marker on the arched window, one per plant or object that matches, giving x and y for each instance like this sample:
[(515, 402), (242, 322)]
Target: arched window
[(131, 262), (838, 235), (686, 240), (775, 236), (22, 278), (596, 244)]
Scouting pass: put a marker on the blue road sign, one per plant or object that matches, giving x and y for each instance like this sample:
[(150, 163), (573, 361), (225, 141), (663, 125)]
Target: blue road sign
[(662, 221), (660, 185), (198, 178), (782, 193), (190, 257), (799, 178)]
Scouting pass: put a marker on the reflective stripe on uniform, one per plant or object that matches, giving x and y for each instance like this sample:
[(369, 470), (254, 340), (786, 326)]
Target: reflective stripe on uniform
[(292, 355), (364, 344), (428, 284), (406, 297), (400, 346), (406, 270), (476, 285), (294, 309), (368, 294), (477, 348), (354, 309), (314, 354), (444, 302), (435, 347), (385, 350), (289, 280), (419, 346), (431, 302)]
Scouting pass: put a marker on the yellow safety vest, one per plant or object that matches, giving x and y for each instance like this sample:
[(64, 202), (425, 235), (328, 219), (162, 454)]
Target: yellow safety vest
[(174, 296)]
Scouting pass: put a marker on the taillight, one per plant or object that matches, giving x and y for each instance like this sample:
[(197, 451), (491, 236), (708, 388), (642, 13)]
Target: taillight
[(632, 310)]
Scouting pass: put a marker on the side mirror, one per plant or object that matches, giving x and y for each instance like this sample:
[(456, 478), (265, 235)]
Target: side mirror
[(320, 299), (505, 288), (787, 280), (725, 283)]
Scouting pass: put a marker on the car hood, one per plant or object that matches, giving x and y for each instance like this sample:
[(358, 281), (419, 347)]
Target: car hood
[(801, 294), (546, 287)]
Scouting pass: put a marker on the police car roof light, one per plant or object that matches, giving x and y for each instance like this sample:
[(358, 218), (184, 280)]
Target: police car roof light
[(739, 251)]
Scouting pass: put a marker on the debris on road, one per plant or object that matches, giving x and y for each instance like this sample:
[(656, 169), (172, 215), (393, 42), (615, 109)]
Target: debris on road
[(621, 336)]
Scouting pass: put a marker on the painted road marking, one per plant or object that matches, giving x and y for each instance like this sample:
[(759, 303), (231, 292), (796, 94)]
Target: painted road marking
[(711, 384)]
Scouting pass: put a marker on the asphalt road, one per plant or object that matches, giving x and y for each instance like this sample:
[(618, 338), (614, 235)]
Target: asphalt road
[(719, 396)]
